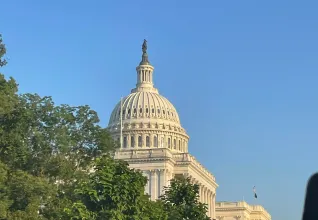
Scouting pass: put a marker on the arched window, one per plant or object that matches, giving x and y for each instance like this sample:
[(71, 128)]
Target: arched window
[(135, 110), (132, 141), (155, 141), (153, 111), (125, 142), (175, 144), (128, 111), (140, 110), (169, 143), (147, 110), (139, 141), (147, 141)]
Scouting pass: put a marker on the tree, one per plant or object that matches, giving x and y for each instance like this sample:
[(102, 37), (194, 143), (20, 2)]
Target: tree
[(51, 147), (114, 191), (3, 51), (181, 200)]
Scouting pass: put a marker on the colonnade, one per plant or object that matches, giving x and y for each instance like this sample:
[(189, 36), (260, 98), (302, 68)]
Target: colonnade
[(206, 196), (144, 140), (158, 178)]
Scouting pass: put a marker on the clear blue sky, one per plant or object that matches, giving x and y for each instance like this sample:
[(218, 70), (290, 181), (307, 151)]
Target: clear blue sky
[(242, 74)]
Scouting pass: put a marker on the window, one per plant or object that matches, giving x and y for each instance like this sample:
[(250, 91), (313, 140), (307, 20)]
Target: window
[(168, 113), (123, 111), (169, 143), (128, 111), (155, 141), (132, 142), (125, 142), (175, 144), (147, 110), (140, 110), (153, 111), (139, 141), (135, 110), (158, 111), (163, 111), (147, 141), (179, 145)]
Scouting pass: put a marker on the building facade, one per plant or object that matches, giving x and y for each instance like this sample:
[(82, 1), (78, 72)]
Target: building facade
[(240, 211), (153, 140)]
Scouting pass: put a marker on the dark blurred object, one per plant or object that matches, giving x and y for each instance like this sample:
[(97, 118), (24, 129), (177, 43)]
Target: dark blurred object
[(311, 201)]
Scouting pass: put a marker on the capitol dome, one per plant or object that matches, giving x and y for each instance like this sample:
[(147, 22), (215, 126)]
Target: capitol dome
[(147, 119), (146, 106)]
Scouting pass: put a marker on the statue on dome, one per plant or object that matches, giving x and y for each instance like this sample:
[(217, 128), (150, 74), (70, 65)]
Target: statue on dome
[(144, 46)]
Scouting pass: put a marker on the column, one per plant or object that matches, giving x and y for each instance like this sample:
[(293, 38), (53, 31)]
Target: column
[(208, 202), (204, 195), (163, 181), (147, 174), (136, 140), (153, 186), (143, 137), (211, 204), (201, 193), (168, 177), (128, 140), (213, 201), (151, 143)]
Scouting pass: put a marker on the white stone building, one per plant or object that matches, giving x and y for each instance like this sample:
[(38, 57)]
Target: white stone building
[(240, 211), (153, 139)]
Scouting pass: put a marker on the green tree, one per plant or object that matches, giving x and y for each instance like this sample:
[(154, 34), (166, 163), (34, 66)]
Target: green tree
[(181, 200), (52, 147), (114, 191), (3, 51)]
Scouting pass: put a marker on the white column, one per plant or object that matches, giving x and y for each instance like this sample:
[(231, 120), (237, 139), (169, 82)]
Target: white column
[(213, 208), (136, 140), (169, 177), (210, 200), (204, 195), (201, 193), (128, 140), (147, 174), (153, 185), (163, 181), (143, 142)]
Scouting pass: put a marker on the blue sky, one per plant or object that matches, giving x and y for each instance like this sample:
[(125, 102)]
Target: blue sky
[(242, 75)]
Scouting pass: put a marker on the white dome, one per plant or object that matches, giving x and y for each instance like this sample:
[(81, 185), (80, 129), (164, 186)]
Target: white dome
[(149, 120), (144, 106)]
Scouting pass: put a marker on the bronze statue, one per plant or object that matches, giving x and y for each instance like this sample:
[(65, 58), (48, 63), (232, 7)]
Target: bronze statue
[(144, 46)]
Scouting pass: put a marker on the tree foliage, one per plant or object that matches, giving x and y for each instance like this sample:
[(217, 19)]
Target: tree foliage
[(114, 191), (3, 51), (181, 200)]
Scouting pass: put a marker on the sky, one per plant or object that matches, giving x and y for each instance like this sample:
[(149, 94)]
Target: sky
[(241, 74)]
